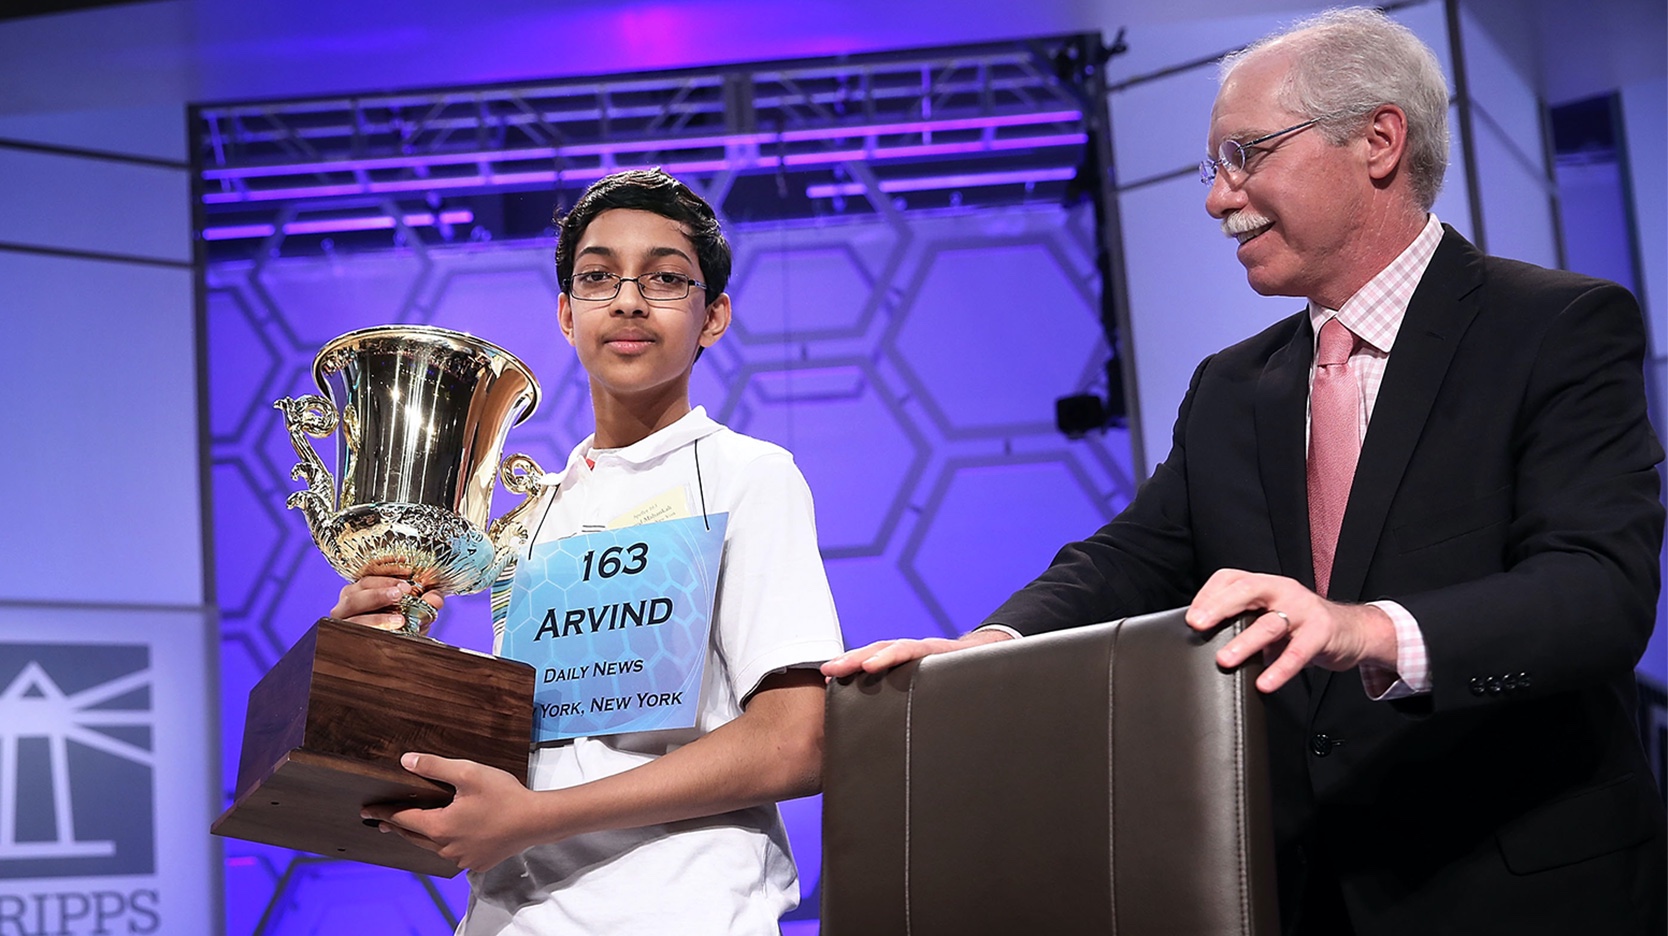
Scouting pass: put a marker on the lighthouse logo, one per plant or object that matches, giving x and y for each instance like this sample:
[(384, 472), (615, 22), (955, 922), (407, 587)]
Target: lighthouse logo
[(77, 761)]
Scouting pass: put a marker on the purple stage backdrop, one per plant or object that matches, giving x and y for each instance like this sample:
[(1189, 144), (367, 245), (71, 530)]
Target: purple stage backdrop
[(911, 365)]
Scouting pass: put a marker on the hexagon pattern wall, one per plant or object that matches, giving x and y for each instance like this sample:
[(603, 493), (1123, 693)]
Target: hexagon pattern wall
[(909, 363)]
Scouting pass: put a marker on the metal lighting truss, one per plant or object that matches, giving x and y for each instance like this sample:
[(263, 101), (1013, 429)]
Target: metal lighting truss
[(960, 126)]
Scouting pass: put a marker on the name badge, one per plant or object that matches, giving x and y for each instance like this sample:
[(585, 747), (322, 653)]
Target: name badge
[(616, 623)]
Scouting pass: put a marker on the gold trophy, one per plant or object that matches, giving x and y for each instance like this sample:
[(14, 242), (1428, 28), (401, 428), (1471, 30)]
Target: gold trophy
[(423, 414)]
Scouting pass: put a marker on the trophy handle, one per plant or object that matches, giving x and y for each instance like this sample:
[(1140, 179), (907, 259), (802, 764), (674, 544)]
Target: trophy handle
[(310, 415), (508, 534), (519, 474)]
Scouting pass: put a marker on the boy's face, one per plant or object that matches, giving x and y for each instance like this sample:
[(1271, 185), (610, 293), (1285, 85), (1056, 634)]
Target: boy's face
[(633, 348)]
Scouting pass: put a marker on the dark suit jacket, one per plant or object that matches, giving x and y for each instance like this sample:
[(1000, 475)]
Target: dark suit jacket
[(1506, 495)]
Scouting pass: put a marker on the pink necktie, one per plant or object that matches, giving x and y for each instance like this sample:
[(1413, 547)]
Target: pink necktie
[(1334, 444)]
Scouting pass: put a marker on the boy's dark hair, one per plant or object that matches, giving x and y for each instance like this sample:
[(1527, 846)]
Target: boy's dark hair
[(649, 190)]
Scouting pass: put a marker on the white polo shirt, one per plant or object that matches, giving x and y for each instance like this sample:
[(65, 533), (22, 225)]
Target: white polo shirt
[(726, 874)]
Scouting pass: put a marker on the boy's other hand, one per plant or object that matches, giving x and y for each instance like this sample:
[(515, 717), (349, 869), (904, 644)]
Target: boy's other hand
[(484, 823), (885, 654)]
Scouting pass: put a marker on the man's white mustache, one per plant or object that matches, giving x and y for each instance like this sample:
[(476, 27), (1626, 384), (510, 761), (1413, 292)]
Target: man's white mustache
[(1242, 221)]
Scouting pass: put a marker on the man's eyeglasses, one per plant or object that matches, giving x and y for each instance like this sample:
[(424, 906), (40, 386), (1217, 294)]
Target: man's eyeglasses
[(599, 286), (1231, 154)]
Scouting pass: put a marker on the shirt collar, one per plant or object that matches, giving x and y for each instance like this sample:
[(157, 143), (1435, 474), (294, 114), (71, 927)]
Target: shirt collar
[(1376, 311), (693, 425)]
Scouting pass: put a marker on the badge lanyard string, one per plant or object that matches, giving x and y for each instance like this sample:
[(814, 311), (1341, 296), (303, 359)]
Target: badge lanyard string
[(549, 502), (699, 486)]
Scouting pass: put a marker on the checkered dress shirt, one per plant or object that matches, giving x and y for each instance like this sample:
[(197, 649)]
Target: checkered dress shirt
[(1375, 315)]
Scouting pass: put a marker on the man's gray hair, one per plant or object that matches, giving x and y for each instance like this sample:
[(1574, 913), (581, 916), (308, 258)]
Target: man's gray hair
[(1345, 63)]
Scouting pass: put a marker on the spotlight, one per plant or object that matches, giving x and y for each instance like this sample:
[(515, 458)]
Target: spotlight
[(1075, 415)]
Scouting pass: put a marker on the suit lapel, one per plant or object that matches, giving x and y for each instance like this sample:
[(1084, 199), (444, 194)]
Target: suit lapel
[(1437, 317), (1281, 409)]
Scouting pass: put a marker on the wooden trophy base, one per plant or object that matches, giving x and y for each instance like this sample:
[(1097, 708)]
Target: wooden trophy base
[(326, 728)]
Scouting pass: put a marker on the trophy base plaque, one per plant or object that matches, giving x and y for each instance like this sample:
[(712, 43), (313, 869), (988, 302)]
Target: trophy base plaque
[(326, 728)]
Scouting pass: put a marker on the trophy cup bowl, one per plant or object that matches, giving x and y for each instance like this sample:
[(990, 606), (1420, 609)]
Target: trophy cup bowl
[(422, 415)]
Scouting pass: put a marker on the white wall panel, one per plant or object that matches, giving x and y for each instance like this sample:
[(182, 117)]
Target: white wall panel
[(1156, 44), (1189, 297), (1513, 184), (1453, 203), (1499, 80), (97, 205), (98, 492), (130, 55), (1429, 21), (1517, 208), (154, 131), (1161, 126)]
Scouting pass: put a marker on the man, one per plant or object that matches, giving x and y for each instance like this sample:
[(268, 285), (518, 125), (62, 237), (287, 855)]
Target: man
[(661, 827), (1437, 483)]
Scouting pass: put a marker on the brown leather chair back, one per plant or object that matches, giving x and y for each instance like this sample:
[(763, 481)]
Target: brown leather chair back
[(1107, 779)]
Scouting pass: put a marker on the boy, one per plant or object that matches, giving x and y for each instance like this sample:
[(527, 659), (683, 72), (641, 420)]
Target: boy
[(676, 829)]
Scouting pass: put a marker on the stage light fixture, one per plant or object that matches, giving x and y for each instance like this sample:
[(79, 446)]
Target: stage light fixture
[(1078, 414)]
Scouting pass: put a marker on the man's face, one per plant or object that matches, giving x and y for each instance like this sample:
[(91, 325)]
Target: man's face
[(629, 346), (1297, 207)]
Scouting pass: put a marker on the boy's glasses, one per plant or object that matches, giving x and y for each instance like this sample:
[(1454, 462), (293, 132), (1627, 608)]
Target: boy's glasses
[(598, 286), (1231, 154)]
